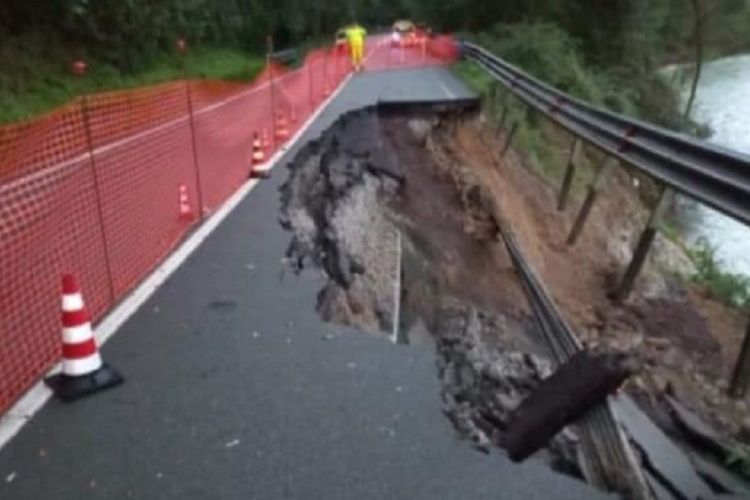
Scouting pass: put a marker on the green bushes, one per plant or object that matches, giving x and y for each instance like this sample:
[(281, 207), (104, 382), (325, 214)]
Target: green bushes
[(547, 52), (732, 289), (544, 51)]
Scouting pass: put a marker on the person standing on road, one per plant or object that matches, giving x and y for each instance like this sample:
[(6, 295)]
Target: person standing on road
[(356, 34)]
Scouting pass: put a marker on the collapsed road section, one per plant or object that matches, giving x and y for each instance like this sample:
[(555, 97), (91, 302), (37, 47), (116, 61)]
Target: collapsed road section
[(395, 195)]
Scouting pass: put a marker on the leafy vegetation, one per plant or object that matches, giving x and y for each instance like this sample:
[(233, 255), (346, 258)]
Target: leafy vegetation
[(604, 51), (543, 50), (739, 460), (732, 289)]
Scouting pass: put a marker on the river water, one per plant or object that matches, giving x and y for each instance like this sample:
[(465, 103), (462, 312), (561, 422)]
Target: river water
[(723, 103)]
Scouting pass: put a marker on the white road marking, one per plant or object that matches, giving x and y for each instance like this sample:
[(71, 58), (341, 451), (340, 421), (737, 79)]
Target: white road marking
[(35, 398), (397, 290), (447, 91)]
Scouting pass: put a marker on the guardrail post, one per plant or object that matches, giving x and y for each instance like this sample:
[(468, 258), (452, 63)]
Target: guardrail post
[(503, 116), (644, 244), (506, 105), (493, 98), (509, 138), (570, 171), (79, 68), (740, 381), (181, 50), (588, 202)]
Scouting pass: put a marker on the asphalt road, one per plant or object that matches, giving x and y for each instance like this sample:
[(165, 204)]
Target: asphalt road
[(236, 389)]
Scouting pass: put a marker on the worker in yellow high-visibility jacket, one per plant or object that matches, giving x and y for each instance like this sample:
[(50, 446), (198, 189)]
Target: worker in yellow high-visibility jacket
[(355, 35)]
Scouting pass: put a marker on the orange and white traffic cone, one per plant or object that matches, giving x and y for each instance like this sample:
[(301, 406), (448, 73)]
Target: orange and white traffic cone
[(266, 140), (257, 159), (282, 132), (186, 213), (258, 155), (83, 372)]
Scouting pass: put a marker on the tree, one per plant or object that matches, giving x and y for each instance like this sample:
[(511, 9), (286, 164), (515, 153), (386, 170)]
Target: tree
[(698, 13)]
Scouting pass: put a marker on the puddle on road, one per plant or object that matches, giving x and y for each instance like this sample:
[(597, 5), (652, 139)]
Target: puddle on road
[(406, 237)]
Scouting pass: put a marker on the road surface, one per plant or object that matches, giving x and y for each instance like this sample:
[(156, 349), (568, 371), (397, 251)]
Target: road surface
[(236, 389)]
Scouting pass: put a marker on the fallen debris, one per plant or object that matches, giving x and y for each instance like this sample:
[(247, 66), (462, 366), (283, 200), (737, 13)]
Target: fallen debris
[(720, 480), (577, 386), (696, 430), (663, 459)]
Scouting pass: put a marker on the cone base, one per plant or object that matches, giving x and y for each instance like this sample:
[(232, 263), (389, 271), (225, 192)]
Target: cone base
[(260, 173), (70, 388)]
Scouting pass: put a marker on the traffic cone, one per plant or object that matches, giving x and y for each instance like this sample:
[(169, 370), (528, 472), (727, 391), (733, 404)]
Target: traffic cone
[(186, 213), (258, 155), (282, 132), (257, 159), (83, 372), (293, 115), (266, 140)]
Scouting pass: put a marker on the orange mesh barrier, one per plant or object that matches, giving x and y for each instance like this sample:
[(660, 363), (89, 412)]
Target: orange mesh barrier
[(387, 52), (94, 188)]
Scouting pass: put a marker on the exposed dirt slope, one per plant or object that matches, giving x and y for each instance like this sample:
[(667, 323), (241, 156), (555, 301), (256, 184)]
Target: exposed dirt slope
[(687, 342)]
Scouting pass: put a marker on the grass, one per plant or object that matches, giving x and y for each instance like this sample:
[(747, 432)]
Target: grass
[(39, 83)]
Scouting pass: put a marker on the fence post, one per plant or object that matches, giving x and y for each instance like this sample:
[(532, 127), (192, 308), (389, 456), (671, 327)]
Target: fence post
[(570, 171), (644, 244), (310, 102), (741, 374), (588, 203), (181, 50), (269, 51), (79, 68)]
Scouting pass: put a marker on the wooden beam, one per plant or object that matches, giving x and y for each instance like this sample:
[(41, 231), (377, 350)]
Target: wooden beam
[(741, 374), (509, 138), (570, 171), (601, 174)]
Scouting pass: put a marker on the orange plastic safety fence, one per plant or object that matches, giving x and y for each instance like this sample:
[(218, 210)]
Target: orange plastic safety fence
[(107, 185), (388, 52)]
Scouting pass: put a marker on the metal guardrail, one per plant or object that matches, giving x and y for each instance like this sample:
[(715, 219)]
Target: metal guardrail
[(711, 174), (608, 461)]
